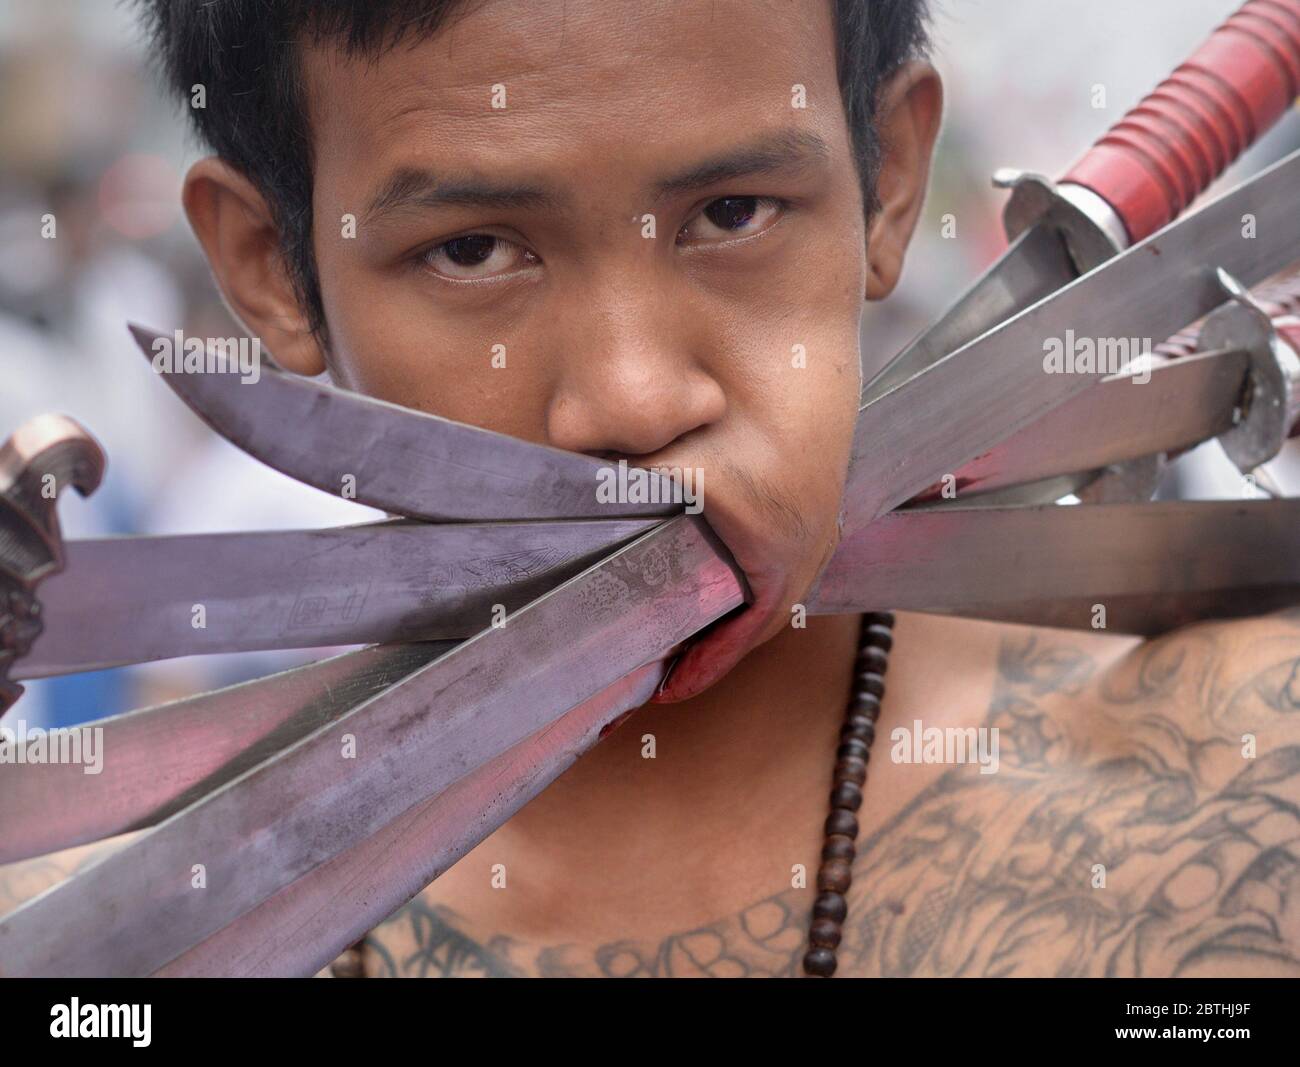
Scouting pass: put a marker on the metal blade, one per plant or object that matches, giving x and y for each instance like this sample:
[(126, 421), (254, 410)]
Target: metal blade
[(136, 910), (131, 600), (158, 760), (1144, 614), (983, 393), (1151, 565), (1036, 265), (307, 924), (402, 461), (1020, 564), (1186, 401)]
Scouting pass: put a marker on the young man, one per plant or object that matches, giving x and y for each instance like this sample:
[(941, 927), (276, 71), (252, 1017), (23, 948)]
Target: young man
[(649, 205)]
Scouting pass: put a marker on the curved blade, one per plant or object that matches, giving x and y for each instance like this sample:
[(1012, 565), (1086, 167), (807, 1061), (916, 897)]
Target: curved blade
[(136, 599), (393, 458)]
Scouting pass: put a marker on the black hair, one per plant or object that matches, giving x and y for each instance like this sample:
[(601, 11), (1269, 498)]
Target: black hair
[(242, 53)]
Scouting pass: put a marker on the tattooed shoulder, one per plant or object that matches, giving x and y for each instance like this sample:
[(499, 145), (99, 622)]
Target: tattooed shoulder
[(1145, 820)]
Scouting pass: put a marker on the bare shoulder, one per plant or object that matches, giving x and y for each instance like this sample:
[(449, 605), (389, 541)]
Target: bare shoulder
[(1219, 676), (1144, 819)]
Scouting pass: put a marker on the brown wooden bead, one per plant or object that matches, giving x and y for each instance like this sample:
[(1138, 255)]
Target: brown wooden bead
[(350, 963), (831, 906), (851, 769), (879, 636), (824, 933), (819, 962), (842, 822), (854, 748), (872, 659), (860, 726), (870, 682), (846, 796), (838, 847), (835, 876)]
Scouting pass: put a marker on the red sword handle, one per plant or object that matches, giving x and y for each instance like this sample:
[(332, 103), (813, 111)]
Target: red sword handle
[(1160, 156)]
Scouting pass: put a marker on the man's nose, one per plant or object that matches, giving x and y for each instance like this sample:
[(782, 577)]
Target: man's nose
[(635, 376)]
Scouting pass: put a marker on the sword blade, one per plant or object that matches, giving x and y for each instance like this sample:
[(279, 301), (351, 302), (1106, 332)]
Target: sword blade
[(137, 909), (988, 390), (156, 761), (390, 457), (1036, 265), (132, 600), (307, 924), (1185, 402), (1152, 566)]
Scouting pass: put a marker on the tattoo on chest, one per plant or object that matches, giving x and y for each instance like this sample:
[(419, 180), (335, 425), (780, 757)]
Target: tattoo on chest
[(1149, 839)]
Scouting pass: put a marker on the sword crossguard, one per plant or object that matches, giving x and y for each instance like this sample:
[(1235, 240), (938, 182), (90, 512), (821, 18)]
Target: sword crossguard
[(1270, 410), (36, 462)]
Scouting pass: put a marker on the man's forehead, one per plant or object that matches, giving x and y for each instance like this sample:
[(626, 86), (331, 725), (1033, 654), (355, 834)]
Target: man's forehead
[(512, 76)]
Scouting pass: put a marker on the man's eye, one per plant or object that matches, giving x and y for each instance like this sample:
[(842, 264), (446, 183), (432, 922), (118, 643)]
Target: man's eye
[(477, 255), (730, 217)]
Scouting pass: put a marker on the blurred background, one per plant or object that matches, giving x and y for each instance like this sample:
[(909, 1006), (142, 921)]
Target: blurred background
[(87, 136)]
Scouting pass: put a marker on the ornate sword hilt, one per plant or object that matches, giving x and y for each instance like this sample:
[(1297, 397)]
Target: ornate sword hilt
[(42, 456)]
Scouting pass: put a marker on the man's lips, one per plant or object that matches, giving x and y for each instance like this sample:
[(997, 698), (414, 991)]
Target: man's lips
[(774, 560), (712, 656)]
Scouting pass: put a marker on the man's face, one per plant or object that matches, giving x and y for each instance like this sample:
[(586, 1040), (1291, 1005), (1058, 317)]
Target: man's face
[(661, 228)]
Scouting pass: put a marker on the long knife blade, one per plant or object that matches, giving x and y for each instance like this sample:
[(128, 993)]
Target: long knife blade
[(137, 599), (1151, 566), (1036, 265), (308, 923), (137, 909), (999, 383), (1184, 402), (156, 761), (390, 457), (132, 600)]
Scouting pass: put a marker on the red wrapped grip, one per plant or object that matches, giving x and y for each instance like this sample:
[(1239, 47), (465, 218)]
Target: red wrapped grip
[(1160, 156)]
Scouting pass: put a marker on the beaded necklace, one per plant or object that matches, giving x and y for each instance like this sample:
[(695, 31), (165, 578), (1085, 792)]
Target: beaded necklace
[(835, 874)]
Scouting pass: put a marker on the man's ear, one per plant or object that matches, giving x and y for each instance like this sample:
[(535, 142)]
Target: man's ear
[(907, 123), (235, 227)]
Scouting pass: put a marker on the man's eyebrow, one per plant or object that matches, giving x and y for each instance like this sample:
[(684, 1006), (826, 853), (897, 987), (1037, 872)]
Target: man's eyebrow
[(414, 187), (788, 149)]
